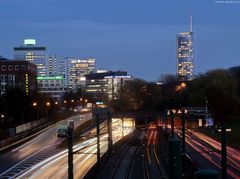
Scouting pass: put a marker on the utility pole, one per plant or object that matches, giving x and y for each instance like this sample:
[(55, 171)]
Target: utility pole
[(70, 152), (172, 123), (113, 89), (121, 86), (224, 151), (206, 109), (98, 142), (109, 133), (183, 141), (165, 119)]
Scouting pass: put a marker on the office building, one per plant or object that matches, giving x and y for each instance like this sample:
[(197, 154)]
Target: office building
[(58, 66), (62, 69), (17, 74), (185, 55), (29, 51), (77, 69), (105, 84), (52, 86), (52, 65)]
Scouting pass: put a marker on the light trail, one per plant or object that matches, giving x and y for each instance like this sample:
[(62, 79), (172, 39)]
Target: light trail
[(49, 168)]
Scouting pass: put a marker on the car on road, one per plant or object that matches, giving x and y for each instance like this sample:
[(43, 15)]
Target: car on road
[(62, 131)]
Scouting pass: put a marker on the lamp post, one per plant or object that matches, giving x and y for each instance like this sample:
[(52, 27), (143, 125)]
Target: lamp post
[(24, 109), (36, 105), (2, 117), (48, 105)]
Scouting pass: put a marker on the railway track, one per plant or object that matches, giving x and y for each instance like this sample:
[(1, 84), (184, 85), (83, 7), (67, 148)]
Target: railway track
[(125, 161), (129, 156)]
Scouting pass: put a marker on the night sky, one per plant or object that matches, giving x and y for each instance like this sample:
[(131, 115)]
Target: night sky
[(134, 35)]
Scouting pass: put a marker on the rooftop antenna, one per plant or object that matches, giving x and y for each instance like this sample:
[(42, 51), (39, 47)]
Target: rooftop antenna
[(191, 24)]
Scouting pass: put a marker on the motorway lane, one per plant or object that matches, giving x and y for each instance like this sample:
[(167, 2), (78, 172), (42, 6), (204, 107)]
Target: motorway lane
[(57, 167), (233, 153), (31, 152), (207, 148), (201, 143)]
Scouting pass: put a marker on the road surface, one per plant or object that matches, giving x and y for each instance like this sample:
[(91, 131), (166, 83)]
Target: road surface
[(43, 146)]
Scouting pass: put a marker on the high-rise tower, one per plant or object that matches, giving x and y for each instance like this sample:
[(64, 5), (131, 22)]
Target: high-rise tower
[(32, 53), (185, 54)]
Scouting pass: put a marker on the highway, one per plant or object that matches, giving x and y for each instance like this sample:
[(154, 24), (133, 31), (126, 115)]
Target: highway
[(84, 159), (210, 149), (41, 147)]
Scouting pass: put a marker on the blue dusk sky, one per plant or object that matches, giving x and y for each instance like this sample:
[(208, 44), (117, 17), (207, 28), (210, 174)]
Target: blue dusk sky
[(138, 36)]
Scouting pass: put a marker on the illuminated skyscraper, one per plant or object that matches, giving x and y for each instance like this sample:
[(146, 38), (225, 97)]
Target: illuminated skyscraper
[(185, 55), (32, 53)]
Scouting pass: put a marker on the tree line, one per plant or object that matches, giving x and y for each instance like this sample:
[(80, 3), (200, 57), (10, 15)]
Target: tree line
[(218, 89)]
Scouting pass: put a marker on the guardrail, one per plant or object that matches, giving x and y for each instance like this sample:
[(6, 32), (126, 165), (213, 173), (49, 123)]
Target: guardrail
[(7, 143)]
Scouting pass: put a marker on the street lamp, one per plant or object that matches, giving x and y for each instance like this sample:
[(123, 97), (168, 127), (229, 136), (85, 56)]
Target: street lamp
[(2, 117), (35, 105), (48, 105)]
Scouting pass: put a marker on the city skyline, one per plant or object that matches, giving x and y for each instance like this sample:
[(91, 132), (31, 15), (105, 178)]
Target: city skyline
[(142, 43)]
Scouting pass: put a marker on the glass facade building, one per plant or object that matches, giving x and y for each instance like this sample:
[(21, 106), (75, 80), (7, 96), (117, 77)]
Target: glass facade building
[(106, 84), (185, 55), (77, 69)]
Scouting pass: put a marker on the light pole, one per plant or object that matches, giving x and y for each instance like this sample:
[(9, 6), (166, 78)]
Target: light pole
[(2, 117), (48, 105), (172, 112), (36, 105), (183, 115)]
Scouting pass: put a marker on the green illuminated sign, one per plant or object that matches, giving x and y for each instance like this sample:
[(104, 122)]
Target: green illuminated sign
[(50, 78)]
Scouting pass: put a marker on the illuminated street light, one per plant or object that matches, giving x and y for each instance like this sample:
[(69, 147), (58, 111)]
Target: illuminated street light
[(64, 101), (35, 105), (86, 100), (72, 100), (56, 103), (48, 104)]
